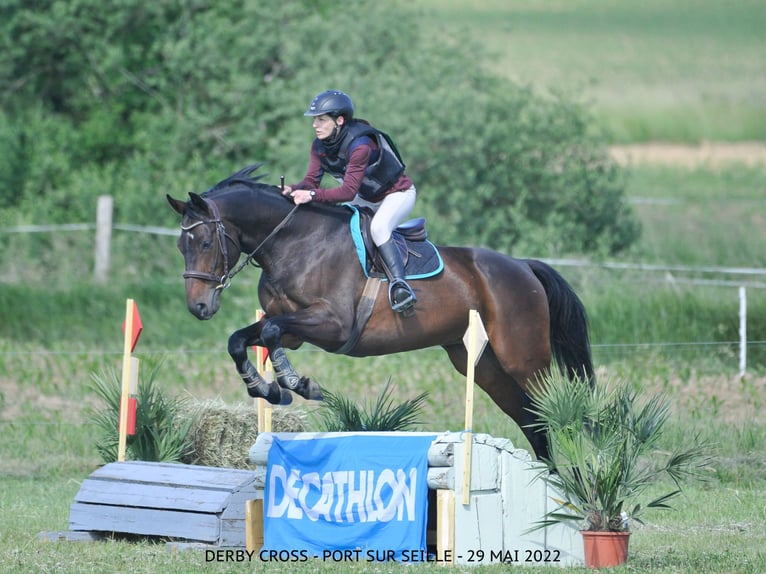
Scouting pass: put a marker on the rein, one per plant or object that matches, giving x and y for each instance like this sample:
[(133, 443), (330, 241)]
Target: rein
[(224, 280)]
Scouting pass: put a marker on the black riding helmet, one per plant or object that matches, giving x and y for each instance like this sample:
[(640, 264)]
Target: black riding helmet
[(333, 103)]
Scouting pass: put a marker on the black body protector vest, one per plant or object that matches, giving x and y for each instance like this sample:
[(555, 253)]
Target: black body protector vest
[(383, 171)]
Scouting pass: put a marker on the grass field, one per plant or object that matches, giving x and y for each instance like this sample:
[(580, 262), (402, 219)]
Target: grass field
[(688, 71), (682, 71)]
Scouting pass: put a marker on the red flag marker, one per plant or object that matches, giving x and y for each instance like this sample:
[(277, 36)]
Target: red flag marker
[(132, 407), (137, 328), (261, 355)]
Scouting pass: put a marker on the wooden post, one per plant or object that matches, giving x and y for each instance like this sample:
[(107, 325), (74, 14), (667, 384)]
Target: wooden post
[(254, 524), (103, 237), (264, 368), (127, 376), (132, 328), (445, 526), (475, 340), (742, 332)]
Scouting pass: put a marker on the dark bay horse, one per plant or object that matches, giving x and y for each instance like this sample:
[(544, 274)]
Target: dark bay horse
[(312, 283)]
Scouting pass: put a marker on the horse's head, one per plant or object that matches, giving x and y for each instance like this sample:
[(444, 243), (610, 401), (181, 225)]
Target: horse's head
[(209, 250)]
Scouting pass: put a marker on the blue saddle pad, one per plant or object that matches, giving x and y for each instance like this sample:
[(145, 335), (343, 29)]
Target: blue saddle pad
[(423, 258)]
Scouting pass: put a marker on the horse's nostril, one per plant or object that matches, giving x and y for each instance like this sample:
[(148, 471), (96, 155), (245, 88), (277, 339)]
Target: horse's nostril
[(201, 309)]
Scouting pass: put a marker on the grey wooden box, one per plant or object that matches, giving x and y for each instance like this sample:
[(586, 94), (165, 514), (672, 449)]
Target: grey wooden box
[(177, 501)]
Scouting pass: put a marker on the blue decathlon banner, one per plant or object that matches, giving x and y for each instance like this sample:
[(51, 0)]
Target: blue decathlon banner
[(364, 494)]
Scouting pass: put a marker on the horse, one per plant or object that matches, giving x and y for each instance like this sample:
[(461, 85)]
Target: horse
[(312, 288)]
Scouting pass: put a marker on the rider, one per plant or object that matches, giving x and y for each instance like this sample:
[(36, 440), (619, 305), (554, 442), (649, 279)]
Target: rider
[(371, 172)]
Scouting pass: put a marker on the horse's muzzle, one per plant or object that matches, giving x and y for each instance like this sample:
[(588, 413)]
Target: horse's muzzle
[(201, 311), (204, 308)]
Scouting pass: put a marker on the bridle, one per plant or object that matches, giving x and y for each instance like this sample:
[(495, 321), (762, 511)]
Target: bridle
[(222, 236)]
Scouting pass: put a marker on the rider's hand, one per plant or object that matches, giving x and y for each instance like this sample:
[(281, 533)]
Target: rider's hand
[(302, 196), (287, 190)]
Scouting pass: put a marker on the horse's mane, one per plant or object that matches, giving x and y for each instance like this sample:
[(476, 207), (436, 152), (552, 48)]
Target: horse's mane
[(242, 179), (239, 179)]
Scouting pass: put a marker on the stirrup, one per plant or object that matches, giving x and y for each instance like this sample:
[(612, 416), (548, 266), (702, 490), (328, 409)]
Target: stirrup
[(407, 303)]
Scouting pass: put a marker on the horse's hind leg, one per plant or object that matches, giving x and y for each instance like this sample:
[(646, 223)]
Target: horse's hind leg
[(503, 388)]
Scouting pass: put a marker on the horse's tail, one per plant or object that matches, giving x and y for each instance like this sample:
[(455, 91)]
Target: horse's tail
[(570, 342)]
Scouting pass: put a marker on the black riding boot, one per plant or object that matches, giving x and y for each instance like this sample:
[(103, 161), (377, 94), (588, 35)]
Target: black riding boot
[(401, 297)]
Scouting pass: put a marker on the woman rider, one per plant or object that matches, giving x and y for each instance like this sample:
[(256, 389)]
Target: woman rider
[(368, 166)]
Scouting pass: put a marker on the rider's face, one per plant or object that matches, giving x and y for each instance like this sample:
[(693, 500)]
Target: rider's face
[(324, 125)]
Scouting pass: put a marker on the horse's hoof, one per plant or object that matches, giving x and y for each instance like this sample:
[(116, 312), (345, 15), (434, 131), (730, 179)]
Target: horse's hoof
[(310, 390), (278, 395), (258, 390), (286, 399)]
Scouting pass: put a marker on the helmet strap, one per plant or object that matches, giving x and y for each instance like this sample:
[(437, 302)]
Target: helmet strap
[(336, 129)]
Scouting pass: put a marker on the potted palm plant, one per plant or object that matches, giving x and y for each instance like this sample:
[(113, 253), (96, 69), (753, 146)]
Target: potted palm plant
[(604, 456)]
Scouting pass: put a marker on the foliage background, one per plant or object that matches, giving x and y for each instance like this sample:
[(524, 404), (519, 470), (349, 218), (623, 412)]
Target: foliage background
[(139, 99)]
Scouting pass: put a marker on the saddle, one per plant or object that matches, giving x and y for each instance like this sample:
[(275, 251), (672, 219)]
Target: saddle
[(419, 256), (421, 259)]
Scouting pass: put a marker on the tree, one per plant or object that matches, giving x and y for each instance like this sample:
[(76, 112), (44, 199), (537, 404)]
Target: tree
[(138, 99)]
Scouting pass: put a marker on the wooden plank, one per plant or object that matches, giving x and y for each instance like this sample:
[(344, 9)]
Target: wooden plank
[(69, 536), (485, 471), (235, 506), (478, 525), (525, 503), (144, 521), (175, 474), (152, 496), (232, 531)]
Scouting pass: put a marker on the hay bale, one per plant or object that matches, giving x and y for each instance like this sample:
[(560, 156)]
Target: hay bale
[(222, 434)]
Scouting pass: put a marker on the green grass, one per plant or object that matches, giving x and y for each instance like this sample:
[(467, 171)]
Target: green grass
[(699, 216), (677, 71), (717, 528)]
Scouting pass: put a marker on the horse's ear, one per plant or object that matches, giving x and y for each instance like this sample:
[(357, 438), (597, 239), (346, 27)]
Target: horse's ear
[(177, 205), (198, 203)]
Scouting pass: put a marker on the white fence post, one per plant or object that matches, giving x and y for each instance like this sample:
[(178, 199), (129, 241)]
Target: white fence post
[(103, 237), (742, 331)]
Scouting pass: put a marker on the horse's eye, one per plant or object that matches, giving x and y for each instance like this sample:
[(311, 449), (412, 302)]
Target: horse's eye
[(205, 245)]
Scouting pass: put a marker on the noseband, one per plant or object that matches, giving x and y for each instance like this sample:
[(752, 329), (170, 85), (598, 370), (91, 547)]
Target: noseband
[(221, 236)]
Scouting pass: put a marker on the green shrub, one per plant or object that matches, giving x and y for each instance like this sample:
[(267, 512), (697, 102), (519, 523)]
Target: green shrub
[(162, 434), (339, 414)]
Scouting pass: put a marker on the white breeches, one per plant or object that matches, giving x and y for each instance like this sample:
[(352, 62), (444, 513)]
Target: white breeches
[(389, 213)]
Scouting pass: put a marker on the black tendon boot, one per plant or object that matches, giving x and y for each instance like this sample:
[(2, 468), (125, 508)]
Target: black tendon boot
[(401, 297)]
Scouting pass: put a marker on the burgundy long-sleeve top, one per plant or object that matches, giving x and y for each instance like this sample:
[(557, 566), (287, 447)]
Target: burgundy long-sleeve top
[(358, 161)]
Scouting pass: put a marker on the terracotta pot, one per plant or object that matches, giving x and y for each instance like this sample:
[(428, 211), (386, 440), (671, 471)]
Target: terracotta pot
[(604, 549)]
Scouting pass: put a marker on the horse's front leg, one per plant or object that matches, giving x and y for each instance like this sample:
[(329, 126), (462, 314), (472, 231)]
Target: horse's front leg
[(256, 385), (287, 377)]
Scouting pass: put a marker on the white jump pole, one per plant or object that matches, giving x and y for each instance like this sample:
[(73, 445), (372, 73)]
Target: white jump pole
[(742, 332), (475, 339)]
